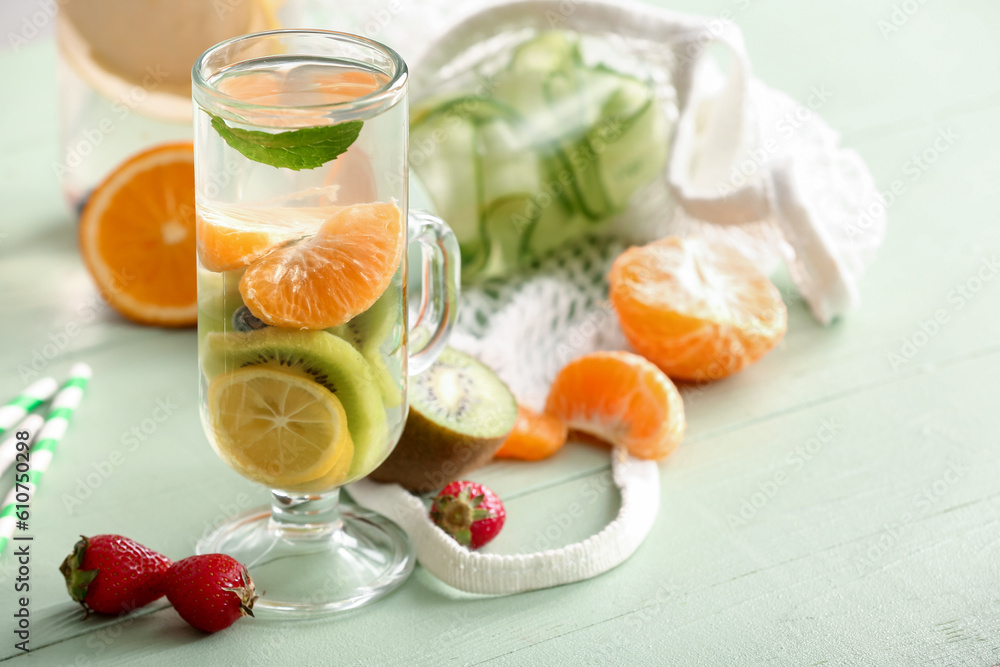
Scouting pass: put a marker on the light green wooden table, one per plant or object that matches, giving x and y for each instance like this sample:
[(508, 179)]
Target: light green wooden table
[(829, 506)]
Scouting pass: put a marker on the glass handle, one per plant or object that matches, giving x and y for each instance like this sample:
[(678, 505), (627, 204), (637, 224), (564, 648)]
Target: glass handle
[(441, 270)]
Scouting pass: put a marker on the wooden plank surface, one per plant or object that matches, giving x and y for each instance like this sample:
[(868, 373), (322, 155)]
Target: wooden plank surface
[(830, 506)]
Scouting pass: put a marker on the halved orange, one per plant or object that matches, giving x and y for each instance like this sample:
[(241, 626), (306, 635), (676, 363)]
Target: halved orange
[(325, 280), (535, 436), (622, 399), (137, 237), (699, 311)]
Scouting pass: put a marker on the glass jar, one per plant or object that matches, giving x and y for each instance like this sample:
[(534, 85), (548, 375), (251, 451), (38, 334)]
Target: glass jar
[(124, 76)]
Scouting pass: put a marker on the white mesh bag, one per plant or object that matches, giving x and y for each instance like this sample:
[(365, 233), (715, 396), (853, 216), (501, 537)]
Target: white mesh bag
[(748, 166)]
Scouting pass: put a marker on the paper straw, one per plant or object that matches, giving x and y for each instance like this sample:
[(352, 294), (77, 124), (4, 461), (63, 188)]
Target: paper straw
[(52, 431), (37, 393), (8, 450)]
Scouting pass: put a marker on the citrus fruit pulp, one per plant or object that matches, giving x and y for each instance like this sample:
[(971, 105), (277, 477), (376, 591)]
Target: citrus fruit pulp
[(327, 279), (333, 478), (699, 311), (231, 237), (622, 399), (535, 436), (276, 427), (317, 356), (137, 236)]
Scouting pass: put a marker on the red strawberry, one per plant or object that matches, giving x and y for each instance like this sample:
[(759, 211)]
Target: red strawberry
[(469, 512), (210, 592), (111, 574)]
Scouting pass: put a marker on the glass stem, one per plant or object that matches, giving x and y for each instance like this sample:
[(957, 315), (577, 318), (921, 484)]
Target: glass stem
[(305, 516)]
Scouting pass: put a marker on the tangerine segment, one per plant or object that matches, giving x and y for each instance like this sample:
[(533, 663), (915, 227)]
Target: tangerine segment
[(137, 237), (535, 436), (698, 311), (326, 280), (277, 428), (622, 399)]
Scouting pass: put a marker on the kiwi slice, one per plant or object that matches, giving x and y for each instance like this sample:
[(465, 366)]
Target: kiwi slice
[(460, 414), (369, 333), (321, 357)]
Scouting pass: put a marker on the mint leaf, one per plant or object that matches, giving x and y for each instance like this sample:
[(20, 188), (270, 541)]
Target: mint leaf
[(307, 148)]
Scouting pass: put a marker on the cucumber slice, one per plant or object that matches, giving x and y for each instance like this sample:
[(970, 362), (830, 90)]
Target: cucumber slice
[(462, 108), (444, 142), (587, 190), (618, 94), (507, 165), (631, 138), (557, 222), (625, 145), (442, 152), (523, 84), (547, 52), (524, 94), (635, 156), (567, 98), (509, 175), (507, 224), (601, 84)]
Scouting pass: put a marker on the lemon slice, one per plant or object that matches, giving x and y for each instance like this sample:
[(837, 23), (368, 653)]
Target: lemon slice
[(277, 428), (333, 478)]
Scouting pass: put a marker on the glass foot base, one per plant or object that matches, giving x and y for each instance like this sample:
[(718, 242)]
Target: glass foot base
[(317, 568)]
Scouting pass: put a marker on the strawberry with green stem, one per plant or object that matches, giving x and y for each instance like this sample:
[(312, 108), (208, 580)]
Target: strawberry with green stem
[(111, 574), (470, 512), (211, 592)]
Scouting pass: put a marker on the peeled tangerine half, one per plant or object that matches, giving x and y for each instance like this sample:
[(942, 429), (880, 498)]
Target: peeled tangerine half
[(700, 311), (325, 280), (280, 429), (622, 399)]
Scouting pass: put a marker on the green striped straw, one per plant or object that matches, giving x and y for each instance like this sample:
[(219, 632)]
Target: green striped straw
[(15, 410), (52, 431)]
